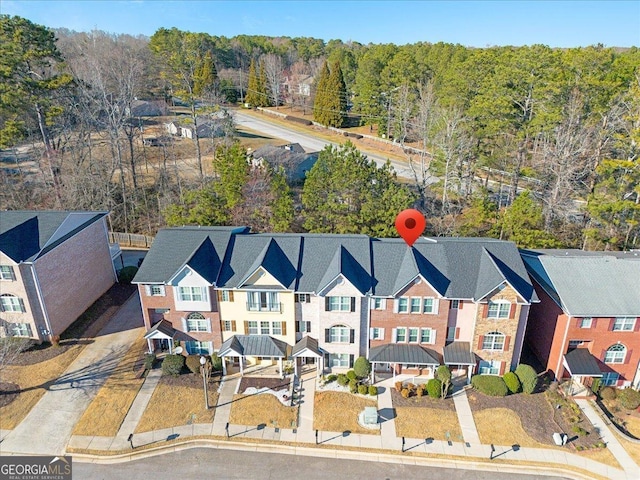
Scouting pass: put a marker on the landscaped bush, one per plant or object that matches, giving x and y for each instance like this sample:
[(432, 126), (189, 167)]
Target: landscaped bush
[(528, 378), (373, 390), (608, 393), (595, 385), (216, 362), (353, 386), (172, 365), (149, 360), (351, 375), (126, 274), (362, 389), (420, 391), (629, 398), (405, 393), (512, 382), (443, 373), (343, 380), (434, 388), (362, 367), (581, 432), (193, 363), (398, 387), (490, 385), (331, 378)]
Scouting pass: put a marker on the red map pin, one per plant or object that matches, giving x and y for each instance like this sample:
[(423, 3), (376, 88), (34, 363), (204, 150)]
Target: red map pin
[(410, 224)]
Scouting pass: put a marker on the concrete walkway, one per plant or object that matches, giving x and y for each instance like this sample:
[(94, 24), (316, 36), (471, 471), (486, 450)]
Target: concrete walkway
[(140, 403), (46, 430), (387, 415), (609, 438), (465, 417), (307, 389), (223, 407)]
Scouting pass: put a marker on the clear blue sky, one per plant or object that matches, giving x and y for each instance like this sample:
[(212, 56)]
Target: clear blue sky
[(478, 23)]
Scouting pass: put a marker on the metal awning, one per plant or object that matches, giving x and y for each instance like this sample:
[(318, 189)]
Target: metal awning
[(459, 353), (253, 346), (580, 362), (161, 330), (307, 347), (404, 354)]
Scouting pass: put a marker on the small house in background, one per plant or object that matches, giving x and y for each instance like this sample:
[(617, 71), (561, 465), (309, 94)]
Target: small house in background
[(291, 157), (148, 108)]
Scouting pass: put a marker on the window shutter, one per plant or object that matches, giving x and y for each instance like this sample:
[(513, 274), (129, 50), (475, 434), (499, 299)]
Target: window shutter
[(352, 335), (22, 309), (184, 324), (612, 322), (233, 325), (210, 347), (627, 359), (512, 310), (353, 304), (147, 290), (460, 304), (395, 305), (381, 332), (246, 327), (351, 361), (371, 333), (29, 331), (480, 342), (433, 335), (436, 305), (284, 328), (594, 322), (326, 304), (231, 295), (457, 335), (502, 364), (297, 327), (307, 298), (485, 310), (327, 335), (1, 306), (208, 325), (637, 325), (219, 295), (394, 335), (507, 340), (308, 327)]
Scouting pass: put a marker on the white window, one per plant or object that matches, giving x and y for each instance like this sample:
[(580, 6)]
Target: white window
[(489, 368), (265, 328), (339, 304), (11, 303), (276, 328), (609, 378), (263, 302), (226, 295), (427, 335), (575, 344), (493, 341), (192, 294), (615, 354), (377, 333), (403, 305), (624, 324), (228, 325), (585, 322), (401, 334), (20, 329), (253, 327), (302, 297), (415, 304), (304, 326), (161, 311), (339, 334), (6, 272), (339, 359), (413, 335), (198, 348), (451, 334), (498, 309), (197, 323), (379, 304), (156, 290), (429, 305), (455, 304)]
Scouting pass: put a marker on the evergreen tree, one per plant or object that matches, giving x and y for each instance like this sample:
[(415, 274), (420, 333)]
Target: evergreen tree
[(320, 101), (206, 76), (336, 98), (523, 224), (253, 88), (262, 87)]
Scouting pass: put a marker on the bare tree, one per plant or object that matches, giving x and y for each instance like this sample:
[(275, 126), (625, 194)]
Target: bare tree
[(274, 71)]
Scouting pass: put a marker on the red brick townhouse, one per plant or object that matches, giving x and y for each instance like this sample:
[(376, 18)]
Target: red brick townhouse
[(587, 324), (458, 301)]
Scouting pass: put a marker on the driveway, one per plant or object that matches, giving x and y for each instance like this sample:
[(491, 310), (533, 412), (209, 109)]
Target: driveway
[(46, 430)]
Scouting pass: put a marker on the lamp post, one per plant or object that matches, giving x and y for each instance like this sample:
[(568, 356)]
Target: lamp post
[(205, 367)]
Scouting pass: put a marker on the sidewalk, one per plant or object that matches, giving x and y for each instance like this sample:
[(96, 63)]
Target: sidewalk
[(465, 417)]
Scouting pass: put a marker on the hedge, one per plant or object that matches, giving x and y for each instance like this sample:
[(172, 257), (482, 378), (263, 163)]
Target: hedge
[(353, 386), (528, 378), (363, 389), (351, 375), (303, 121), (512, 381), (149, 360), (434, 388), (490, 385), (629, 398), (126, 274), (172, 365), (362, 367), (373, 390), (343, 380)]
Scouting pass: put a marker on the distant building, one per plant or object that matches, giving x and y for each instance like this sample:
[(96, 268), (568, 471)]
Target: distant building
[(291, 157)]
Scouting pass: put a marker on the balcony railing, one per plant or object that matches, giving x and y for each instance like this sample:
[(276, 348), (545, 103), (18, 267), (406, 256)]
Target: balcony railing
[(262, 307)]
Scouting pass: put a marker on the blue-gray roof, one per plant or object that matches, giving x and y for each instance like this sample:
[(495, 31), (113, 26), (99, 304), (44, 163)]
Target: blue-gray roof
[(254, 346), (26, 234), (403, 353), (580, 361)]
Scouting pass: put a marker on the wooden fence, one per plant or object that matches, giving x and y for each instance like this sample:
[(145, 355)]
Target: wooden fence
[(132, 240)]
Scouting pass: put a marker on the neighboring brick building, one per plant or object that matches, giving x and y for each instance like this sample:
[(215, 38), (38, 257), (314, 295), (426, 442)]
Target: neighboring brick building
[(53, 266), (587, 324)]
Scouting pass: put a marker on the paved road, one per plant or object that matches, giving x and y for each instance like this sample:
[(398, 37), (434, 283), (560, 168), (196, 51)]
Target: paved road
[(308, 142), (46, 430), (231, 464)]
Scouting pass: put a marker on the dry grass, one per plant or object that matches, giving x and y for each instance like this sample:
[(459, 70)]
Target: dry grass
[(33, 380), (107, 411), (338, 412), (602, 455), (427, 422), (632, 424), (633, 449), (502, 426), (175, 405), (262, 409)]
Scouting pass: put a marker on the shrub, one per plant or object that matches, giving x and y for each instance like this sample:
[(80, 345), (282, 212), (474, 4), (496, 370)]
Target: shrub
[(149, 360), (172, 365), (405, 392), (581, 432), (193, 363), (629, 398), (512, 382), (608, 393), (216, 362), (434, 388), (420, 391), (351, 375), (595, 385), (55, 340), (362, 367), (443, 373), (373, 390), (343, 380), (126, 274), (303, 121), (362, 389), (353, 386), (528, 378), (398, 387), (331, 378), (490, 385)]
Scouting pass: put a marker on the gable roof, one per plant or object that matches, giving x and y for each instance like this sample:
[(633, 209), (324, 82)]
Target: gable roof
[(254, 346), (295, 161), (580, 362), (403, 353), (201, 248), (26, 235), (587, 284)]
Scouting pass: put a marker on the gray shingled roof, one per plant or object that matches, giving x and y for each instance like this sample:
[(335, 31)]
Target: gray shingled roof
[(202, 248), (254, 346), (458, 353), (592, 285), (581, 362), (26, 234), (306, 343), (164, 327), (403, 353)]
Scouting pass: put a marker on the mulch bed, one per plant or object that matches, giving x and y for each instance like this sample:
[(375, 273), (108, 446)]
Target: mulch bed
[(274, 384), (8, 393), (191, 380), (424, 402), (87, 326)]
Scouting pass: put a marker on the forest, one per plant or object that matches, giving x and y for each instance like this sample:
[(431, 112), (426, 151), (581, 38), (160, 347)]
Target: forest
[(531, 144)]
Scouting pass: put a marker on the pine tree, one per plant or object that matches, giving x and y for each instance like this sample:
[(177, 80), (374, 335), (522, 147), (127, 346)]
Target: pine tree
[(205, 76), (319, 104), (336, 98), (262, 88), (253, 88)]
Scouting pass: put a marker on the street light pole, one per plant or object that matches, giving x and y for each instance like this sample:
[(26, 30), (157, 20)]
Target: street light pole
[(204, 367)]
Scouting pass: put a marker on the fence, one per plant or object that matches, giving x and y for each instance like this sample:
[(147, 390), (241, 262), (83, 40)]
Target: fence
[(133, 240)]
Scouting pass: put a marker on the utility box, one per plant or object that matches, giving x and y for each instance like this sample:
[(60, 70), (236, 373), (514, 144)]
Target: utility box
[(560, 439)]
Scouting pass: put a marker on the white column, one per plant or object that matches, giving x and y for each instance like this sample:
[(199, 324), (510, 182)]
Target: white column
[(295, 366), (149, 343), (224, 366), (280, 366), (241, 365), (170, 346)]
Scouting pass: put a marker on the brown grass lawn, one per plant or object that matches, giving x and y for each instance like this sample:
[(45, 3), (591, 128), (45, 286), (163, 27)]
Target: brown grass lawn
[(502, 426), (33, 381), (263, 408), (633, 449), (107, 411), (632, 424), (178, 401), (427, 422), (338, 411), (602, 455)]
